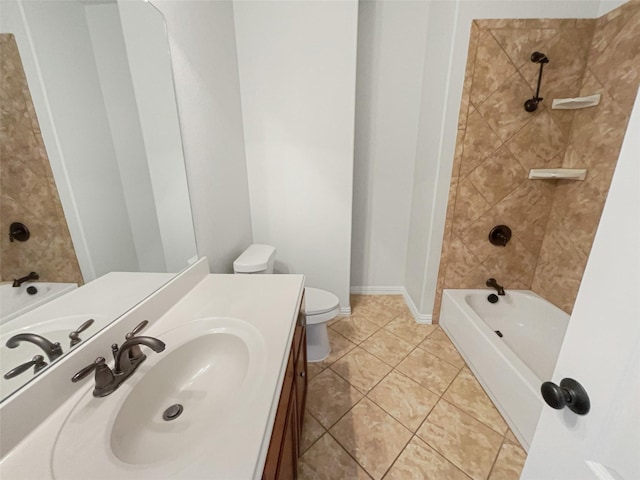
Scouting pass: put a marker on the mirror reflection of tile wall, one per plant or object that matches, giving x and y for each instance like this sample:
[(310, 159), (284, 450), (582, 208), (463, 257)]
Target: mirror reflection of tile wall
[(553, 222), (28, 192)]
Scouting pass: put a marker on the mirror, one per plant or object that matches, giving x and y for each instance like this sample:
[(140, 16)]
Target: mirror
[(91, 164)]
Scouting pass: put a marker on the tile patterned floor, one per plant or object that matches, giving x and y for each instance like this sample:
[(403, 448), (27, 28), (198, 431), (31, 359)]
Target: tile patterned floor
[(394, 400)]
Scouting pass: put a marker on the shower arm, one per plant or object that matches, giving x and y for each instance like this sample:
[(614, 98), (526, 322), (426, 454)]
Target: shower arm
[(532, 104)]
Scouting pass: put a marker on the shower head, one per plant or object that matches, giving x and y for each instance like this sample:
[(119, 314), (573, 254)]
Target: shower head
[(538, 57)]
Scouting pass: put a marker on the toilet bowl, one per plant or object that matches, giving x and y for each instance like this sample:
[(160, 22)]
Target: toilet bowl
[(320, 305)]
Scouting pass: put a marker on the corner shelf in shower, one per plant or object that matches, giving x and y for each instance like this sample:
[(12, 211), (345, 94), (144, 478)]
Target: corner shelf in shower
[(557, 173)]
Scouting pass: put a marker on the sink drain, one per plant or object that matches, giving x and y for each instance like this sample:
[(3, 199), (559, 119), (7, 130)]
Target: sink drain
[(173, 412)]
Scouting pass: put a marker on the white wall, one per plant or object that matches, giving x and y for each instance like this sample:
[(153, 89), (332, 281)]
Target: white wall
[(391, 44), (203, 49), (297, 63), (145, 38), (120, 102)]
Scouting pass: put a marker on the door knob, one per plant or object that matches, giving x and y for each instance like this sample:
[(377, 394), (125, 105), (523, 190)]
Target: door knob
[(569, 394)]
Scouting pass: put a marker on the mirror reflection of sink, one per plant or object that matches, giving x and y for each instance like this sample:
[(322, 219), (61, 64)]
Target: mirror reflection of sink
[(54, 330), (210, 368)]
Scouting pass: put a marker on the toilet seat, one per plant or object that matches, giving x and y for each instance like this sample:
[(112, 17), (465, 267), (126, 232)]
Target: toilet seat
[(320, 305)]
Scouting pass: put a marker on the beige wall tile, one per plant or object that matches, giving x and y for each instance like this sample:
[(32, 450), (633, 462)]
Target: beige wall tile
[(553, 223), (27, 188)]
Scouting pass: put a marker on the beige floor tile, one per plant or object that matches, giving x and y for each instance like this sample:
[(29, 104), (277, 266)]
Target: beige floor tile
[(393, 301), (467, 394), (428, 370), (327, 460), (359, 300), (420, 462), (355, 328), (339, 347), (371, 436), (407, 401), (509, 463), (330, 396), (461, 439), (405, 327), (314, 369), (388, 347), (377, 313), (439, 344), (510, 437), (311, 431), (361, 369)]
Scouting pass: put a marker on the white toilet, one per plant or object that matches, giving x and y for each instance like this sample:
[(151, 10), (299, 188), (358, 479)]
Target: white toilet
[(320, 305)]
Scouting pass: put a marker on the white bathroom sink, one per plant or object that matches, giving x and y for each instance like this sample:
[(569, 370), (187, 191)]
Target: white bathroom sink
[(210, 368)]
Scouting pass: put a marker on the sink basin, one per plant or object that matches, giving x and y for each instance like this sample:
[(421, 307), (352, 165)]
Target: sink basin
[(211, 368), (184, 377)]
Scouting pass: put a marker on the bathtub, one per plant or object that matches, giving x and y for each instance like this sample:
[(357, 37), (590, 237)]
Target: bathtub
[(510, 367), (15, 301)]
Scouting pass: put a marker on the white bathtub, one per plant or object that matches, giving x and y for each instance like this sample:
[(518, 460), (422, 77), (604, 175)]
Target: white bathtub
[(15, 301), (511, 368)]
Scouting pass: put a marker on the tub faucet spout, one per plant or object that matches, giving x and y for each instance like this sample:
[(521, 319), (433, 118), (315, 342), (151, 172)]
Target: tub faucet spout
[(493, 284), (19, 281)]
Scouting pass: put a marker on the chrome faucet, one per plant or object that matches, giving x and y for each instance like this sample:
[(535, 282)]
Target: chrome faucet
[(107, 380), (493, 284), (53, 350), (19, 281)]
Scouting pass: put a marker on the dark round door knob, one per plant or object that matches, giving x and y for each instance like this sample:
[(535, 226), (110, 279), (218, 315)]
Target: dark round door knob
[(569, 394)]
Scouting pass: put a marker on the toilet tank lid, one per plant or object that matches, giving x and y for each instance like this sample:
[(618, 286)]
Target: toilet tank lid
[(254, 259)]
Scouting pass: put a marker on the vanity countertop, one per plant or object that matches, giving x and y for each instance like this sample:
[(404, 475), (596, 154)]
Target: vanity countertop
[(269, 303)]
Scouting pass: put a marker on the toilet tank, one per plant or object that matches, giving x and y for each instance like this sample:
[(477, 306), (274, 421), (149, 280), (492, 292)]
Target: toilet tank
[(255, 259)]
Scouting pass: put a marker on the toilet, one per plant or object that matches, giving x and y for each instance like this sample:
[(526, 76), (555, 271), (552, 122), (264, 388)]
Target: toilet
[(320, 305)]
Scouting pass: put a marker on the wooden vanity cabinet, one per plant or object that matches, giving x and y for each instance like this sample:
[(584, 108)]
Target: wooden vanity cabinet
[(284, 448)]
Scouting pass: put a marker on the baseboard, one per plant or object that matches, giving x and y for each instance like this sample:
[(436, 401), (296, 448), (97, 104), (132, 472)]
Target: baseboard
[(378, 290), (393, 290), (345, 310)]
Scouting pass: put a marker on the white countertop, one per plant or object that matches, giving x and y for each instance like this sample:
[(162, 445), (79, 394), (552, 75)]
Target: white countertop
[(269, 303)]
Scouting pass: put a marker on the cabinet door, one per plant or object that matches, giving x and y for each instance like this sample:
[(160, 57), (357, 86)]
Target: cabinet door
[(301, 380), (281, 425), (288, 464)]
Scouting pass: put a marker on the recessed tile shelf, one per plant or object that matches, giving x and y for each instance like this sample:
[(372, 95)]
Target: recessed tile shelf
[(557, 173)]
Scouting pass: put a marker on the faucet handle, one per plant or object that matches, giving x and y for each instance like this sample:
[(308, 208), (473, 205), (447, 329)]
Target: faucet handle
[(135, 352), (75, 335), (37, 362), (137, 329), (88, 369)]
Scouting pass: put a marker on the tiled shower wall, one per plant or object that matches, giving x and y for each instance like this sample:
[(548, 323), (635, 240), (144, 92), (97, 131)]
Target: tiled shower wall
[(553, 222), (28, 192)]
